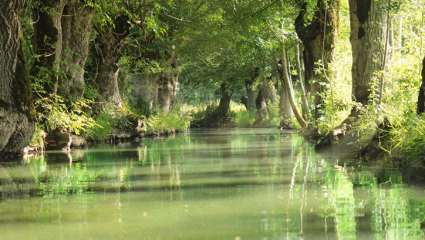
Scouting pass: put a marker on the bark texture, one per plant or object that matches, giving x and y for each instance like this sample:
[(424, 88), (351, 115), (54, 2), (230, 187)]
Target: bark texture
[(145, 91), (318, 38), (168, 84), (286, 113), (109, 45), (76, 31), (251, 91), (261, 105), (305, 104), (223, 108), (287, 84), (266, 95), (47, 42), (61, 43), (421, 98), (16, 126), (368, 35)]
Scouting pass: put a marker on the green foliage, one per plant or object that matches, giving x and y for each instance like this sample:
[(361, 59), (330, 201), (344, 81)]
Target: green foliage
[(102, 131), (76, 180), (56, 115), (37, 139), (273, 119), (407, 136), (112, 120), (167, 123), (245, 119)]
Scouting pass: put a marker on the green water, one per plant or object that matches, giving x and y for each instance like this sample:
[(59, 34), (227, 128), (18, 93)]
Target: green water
[(217, 184)]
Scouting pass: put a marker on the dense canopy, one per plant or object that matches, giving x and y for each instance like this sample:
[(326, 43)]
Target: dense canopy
[(106, 69)]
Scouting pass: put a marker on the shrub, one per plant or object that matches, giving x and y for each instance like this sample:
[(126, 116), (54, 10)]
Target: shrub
[(244, 119), (56, 115), (111, 119), (164, 123)]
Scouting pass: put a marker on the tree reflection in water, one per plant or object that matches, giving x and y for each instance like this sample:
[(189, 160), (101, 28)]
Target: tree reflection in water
[(246, 184)]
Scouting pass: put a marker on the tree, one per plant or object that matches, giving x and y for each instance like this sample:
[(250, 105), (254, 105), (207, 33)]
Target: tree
[(109, 45), (368, 36), (287, 84), (16, 125), (62, 32), (421, 98), (319, 39), (47, 43), (168, 83), (251, 91), (76, 32)]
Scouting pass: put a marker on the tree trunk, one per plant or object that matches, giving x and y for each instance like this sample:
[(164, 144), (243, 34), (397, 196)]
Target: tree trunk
[(368, 30), (261, 105), (319, 38), (387, 56), (223, 108), (168, 84), (421, 98), (287, 84), (16, 126), (109, 45), (251, 96), (304, 97), (251, 91), (47, 42), (76, 31), (286, 113)]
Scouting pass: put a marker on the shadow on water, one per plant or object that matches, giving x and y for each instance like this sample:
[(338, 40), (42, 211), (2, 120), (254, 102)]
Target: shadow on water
[(215, 184)]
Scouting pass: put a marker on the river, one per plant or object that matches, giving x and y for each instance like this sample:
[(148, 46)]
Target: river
[(222, 184)]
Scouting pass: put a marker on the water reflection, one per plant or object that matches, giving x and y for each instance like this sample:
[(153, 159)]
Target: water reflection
[(221, 184)]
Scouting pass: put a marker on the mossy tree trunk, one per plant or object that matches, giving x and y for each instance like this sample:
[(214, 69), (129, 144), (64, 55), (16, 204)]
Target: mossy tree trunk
[(304, 98), (109, 44), (76, 32), (223, 109), (319, 39), (286, 113), (368, 35), (266, 95), (168, 84), (251, 96), (287, 85), (16, 126), (421, 98), (251, 91), (62, 32), (261, 106), (47, 42)]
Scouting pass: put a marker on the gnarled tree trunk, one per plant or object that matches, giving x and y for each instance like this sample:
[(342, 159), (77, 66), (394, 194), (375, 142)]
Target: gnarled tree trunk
[(251, 91), (168, 84), (261, 106), (319, 38), (368, 35), (109, 45), (304, 98), (223, 108), (76, 31), (16, 126), (266, 95), (421, 98), (286, 113), (287, 84), (48, 42)]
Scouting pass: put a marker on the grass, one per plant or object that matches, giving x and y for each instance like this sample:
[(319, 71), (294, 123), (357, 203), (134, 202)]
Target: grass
[(167, 123)]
